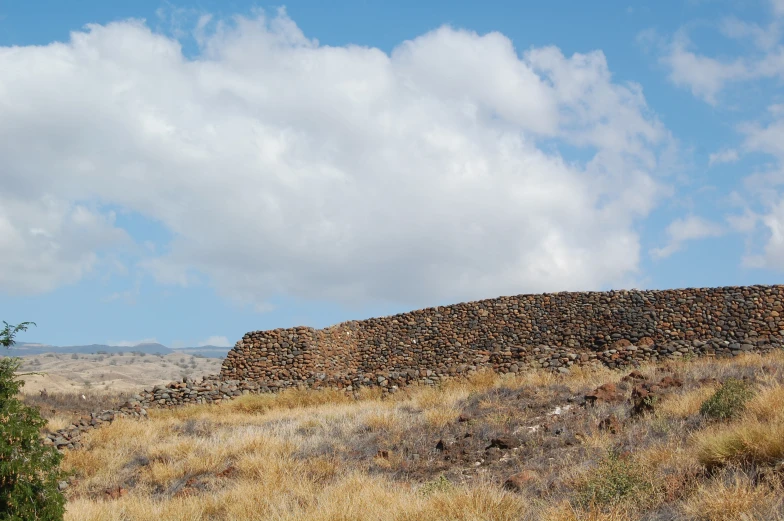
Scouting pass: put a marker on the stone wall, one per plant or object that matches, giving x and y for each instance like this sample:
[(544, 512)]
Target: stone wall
[(509, 334)]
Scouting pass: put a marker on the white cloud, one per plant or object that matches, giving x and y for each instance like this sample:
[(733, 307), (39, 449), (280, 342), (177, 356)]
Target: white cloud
[(745, 222), (132, 343), (763, 37), (343, 173), (707, 77), (49, 242), (729, 155), (217, 341), (765, 138), (778, 7), (704, 76), (688, 229), (768, 139), (772, 256)]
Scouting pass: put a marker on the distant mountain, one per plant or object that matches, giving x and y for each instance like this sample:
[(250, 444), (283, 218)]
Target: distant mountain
[(31, 348)]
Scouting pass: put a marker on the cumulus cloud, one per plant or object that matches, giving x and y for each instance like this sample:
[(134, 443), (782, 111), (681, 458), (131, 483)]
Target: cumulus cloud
[(704, 76), (745, 222), (707, 76), (687, 229), (778, 7), (282, 166), (763, 37), (729, 155), (217, 341), (48, 242), (772, 255), (767, 138)]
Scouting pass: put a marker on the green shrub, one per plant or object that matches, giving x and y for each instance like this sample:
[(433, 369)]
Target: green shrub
[(29, 470), (441, 484), (615, 481), (728, 401)]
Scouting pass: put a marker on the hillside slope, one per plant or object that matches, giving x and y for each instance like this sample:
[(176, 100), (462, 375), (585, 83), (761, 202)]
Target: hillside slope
[(110, 373), (656, 443)]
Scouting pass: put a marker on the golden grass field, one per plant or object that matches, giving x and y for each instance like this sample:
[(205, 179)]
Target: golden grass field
[(325, 456)]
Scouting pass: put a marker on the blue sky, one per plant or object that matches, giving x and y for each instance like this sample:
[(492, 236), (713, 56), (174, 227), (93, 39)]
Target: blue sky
[(188, 172)]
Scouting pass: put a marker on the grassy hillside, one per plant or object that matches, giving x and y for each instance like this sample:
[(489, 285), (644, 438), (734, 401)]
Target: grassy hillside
[(656, 444)]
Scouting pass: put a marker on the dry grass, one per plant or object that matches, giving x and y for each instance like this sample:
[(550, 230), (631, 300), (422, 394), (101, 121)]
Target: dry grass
[(567, 512), (327, 456), (768, 405), (746, 442), (756, 437), (734, 498), (685, 405)]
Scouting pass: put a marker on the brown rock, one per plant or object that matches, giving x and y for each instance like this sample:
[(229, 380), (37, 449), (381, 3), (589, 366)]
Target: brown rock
[(114, 492), (642, 400), (634, 375), (611, 423), (670, 381), (620, 344), (518, 482), (504, 443), (607, 393)]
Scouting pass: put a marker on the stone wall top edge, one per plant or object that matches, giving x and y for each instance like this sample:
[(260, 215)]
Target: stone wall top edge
[(405, 314)]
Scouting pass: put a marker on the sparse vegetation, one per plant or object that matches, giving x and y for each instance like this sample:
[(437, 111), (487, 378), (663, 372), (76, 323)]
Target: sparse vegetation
[(728, 401), (617, 479), (446, 452), (440, 484)]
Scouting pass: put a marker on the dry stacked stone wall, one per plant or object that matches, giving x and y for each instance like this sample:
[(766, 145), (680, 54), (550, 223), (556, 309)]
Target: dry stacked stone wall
[(510, 334), (507, 334)]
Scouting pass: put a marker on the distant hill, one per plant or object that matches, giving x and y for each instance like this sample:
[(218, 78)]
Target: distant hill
[(31, 348)]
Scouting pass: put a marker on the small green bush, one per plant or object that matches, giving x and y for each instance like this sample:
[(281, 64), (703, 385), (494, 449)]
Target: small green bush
[(29, 470), (615, 481), (728, 401), (441, 484)]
